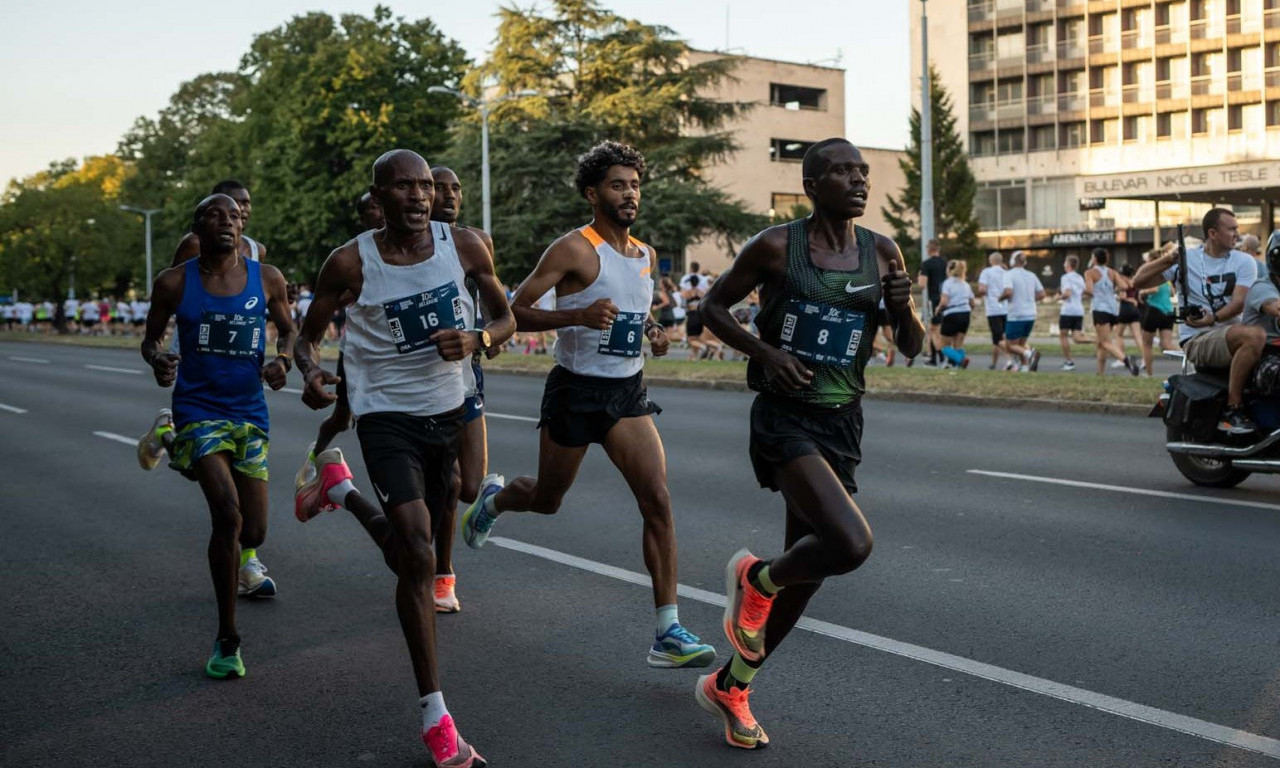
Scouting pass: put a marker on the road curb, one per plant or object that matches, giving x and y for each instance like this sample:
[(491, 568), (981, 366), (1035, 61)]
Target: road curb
[(933, 398)]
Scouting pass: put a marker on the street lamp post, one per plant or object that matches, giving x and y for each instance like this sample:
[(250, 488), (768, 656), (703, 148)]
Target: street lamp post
[(926, 145), (146, 213), (483, 106)]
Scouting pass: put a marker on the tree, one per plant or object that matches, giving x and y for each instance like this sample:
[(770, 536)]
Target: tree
[(954, 187), (599, 76), (312, 105), (66, 221)]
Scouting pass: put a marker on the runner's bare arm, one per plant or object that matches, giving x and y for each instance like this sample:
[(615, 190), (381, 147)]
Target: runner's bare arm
[(559, 265), (895, 287), (477, 263), (340, 274), (762, 260), (276, 372), (166, 294), (188, 248)]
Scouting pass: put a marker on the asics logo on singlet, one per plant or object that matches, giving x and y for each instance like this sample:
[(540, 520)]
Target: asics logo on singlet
[(251, 303), (849, 288)]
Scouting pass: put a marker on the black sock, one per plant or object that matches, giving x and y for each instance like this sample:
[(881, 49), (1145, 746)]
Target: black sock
[(227, 646), (753, 576)]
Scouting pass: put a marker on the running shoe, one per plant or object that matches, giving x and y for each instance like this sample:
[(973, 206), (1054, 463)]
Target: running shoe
[(1069, 366), (1033, 363), (746, 609), (307, 472), (445, 597), (254, 581), (1120, 363), (964, 363), (740, 727), (220, 666), (1235, 422), (678, 647), (476, 522), (151, 445), (1133, 364), (447, 748), (313, 497)]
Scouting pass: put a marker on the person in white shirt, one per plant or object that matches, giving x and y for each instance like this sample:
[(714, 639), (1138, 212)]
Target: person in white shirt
[(695, 270), (9, 313), (1218, 280), (955, 303), (89, 314), (124, 316), (994, 289), (1071, 316), (1026, 290)]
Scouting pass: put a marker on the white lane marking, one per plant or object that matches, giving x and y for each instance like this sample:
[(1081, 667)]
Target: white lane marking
[(492, 415), (11, 409), (286, 390), (113, 370), (36, 360), (1123, 489), (132, 442), (1158, 717)]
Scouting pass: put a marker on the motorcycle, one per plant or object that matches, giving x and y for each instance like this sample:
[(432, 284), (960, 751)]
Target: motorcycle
[(1193, 402)]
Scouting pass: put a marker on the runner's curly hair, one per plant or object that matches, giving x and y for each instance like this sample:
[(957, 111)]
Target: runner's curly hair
[(595, 163)]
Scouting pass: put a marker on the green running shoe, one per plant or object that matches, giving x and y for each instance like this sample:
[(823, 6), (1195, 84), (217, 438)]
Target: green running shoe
[(221, 666)]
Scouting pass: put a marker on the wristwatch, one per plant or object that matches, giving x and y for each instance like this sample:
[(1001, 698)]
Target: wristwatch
[(485, 340)]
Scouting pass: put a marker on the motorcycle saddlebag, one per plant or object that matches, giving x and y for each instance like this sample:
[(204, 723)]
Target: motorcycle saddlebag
[(1196, 403)]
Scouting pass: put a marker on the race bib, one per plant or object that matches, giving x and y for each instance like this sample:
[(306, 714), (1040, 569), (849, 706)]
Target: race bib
[(623, 337), (229, 334), (414, 318), (817, 333)]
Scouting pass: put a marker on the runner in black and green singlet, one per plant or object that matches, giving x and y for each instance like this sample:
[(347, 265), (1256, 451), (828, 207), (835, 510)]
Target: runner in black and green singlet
[(821, 280)]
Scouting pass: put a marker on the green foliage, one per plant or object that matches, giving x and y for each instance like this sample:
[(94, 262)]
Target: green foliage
[(312, 105), (66, 219), (598, 76), (954, 188)]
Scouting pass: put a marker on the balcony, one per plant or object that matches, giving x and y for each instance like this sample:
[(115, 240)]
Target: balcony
[(1040, 52), (1205, 29), (1042, 105), (1202, 85), (1171, 89), (1102, 97), (1133, 38), (984, 112), (1272, 77), (1133, 94), (980, 62), (1071, 49), (1041, 6), (1166, 35), (1103, 44), (1072, 102), (982, 11), (1271, 18)]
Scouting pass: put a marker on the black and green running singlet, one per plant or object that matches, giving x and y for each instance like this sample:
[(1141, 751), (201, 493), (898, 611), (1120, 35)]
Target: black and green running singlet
[(825, 318)]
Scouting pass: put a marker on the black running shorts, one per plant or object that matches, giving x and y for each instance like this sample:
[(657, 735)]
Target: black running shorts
[(997, 327), (956, 322), (411, 457), (1071, 322), (1104, 318), (579, 410), (1129, 313), (783, 430), (1153, 320)]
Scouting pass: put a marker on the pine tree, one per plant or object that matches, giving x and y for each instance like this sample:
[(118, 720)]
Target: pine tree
[(954, 187)]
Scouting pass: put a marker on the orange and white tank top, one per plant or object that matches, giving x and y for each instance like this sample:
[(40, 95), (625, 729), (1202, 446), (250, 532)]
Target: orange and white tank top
[(614, 353)]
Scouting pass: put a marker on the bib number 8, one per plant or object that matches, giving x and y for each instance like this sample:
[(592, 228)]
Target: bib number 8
[(823, 335)]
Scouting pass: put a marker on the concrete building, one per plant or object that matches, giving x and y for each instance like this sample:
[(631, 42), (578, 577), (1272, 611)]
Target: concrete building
[(1092, 122), (796, 106)]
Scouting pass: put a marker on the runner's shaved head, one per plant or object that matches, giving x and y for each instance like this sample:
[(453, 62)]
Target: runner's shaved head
[(384, 166), (204, 204)]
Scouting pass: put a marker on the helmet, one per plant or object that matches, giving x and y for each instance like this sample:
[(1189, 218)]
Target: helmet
[(1273, 255)]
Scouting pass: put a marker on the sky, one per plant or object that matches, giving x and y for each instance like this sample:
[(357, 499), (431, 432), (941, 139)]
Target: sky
[(77, 73)]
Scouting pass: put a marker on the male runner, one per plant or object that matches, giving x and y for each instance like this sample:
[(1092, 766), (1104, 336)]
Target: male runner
[(1071, 315), (933, 273), (1026, 291), (821, 279), (189, 246), (219, 412), (406, 347), (596, 393), (994, 289)]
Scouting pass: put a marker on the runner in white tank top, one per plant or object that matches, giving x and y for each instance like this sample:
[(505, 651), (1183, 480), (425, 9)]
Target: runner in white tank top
[(405, 346), (596, 394)]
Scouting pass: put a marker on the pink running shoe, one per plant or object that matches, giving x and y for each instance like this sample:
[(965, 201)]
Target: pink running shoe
[(446, 597), (313, 497), (746, 608), (448, 750)]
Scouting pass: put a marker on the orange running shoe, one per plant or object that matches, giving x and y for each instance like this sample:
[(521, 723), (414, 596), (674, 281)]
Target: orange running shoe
[(446, 599), (740, 727), (746, 608)]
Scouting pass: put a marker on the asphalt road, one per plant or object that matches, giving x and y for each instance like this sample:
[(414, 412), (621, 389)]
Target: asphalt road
[(1007, 620)]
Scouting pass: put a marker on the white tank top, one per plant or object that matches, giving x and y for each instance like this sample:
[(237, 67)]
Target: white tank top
[(616, 352), (253, 247), (390, 364), (1104, 293)]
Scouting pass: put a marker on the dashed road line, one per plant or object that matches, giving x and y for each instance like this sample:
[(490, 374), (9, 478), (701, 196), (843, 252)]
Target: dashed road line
[(132, 442), (110, 369), (36, 360), (1122, 489), (11, 409)]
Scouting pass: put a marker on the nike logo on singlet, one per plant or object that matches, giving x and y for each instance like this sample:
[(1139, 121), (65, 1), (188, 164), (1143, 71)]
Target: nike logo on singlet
[(848, 288)]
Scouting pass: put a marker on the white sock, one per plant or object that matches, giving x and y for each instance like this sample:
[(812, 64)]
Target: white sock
[(490, 508), (1026, 353), (433, 710), (667, 615), (338, 493)]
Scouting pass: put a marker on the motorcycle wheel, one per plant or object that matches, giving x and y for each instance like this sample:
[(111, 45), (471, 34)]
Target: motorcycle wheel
[(1202, 470)]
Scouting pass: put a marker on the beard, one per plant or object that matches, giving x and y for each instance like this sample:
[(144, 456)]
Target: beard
[(617, 217)]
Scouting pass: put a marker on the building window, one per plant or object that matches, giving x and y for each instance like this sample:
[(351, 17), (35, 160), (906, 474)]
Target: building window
[(982, 144), (1009, 142), (1071, 135), (1009, 90), (1273, 114), (1164, 125), (788, 150), (797, 96), (788, 205), (1131, 129), (1103, 131), (1206, 121), (1235, 118), (1042, 138)]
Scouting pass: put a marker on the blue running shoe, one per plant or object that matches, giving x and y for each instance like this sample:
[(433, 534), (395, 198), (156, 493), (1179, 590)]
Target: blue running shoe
[(476, 522), (678, 647)]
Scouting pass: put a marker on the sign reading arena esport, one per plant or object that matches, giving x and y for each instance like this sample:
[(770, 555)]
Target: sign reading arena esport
[(1180, 181)]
